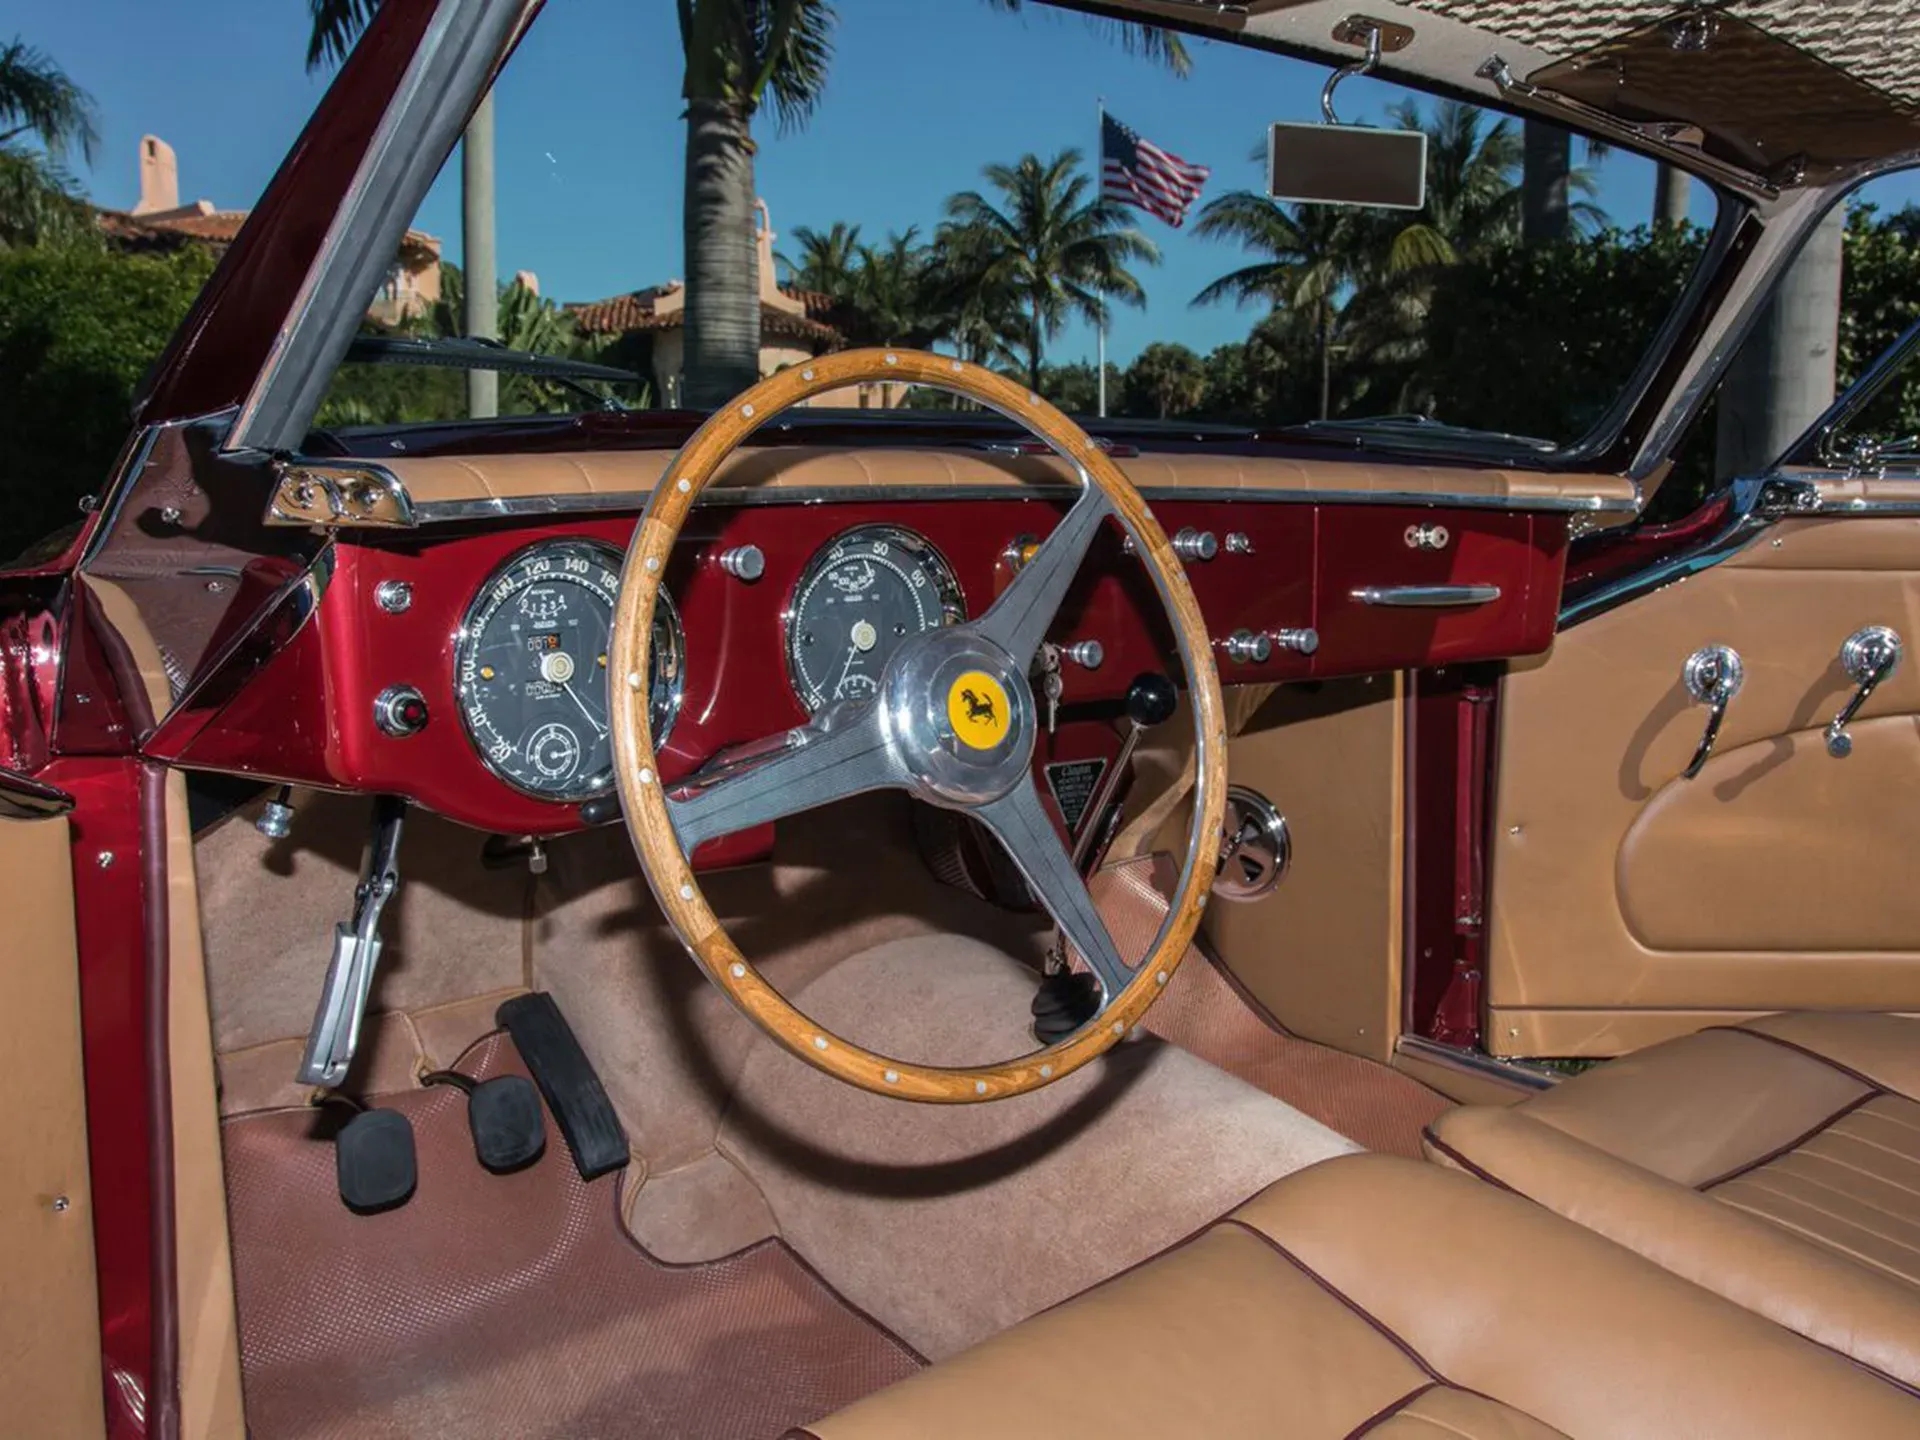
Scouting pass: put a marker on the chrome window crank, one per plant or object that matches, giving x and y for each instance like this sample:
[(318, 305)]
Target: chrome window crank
[(1868, 656), (1713, 676)]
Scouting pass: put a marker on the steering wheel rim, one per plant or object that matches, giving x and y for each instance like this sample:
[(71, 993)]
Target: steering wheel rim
[(900, 741)]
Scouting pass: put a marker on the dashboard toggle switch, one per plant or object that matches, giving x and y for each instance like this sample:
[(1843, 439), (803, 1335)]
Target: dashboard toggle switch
[(400, 711)]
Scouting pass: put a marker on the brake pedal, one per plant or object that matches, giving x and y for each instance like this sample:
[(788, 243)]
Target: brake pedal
[(374, 1161), (504, 1115)]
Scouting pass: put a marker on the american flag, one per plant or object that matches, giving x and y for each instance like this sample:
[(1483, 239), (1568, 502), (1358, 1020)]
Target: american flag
[(1134, 171)]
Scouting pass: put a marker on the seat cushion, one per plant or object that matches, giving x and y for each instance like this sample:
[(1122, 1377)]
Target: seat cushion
[(1374, 1294), (1777, 1163)]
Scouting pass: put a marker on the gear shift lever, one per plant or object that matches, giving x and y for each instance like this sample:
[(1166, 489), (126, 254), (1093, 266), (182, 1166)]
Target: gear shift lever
[(1065, 1000), (1151, 700)]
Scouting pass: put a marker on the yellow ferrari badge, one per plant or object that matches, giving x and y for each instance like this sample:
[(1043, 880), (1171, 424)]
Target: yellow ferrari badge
[(978, 709)]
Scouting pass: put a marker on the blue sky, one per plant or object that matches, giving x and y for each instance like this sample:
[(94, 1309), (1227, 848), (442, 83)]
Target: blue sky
[(923, 93)]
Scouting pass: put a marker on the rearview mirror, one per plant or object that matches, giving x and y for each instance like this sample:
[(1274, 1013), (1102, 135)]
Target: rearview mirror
[(1347, 165)]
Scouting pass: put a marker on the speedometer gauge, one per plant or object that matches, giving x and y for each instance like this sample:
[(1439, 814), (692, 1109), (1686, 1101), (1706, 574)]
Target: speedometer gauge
[(530, 665), (857, 600)]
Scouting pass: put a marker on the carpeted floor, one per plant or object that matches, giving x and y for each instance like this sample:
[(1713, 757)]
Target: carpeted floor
[(1206, 1014), (1368, 1102), (515, 1305)]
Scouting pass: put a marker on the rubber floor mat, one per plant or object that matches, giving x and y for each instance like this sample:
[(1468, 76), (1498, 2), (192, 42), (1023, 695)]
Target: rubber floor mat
[(512, 1305)]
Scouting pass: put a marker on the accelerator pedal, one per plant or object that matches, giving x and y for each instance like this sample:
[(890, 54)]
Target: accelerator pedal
[(374, 1161), (572, 1091)]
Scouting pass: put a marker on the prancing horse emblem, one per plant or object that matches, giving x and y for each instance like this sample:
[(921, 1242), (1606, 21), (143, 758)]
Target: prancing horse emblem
[(980, 712)]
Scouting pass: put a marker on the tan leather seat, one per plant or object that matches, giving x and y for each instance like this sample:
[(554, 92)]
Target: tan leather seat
[(1377, 1295), (1777, 1163)]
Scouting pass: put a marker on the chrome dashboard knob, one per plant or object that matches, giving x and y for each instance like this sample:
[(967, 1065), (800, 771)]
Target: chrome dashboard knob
[(1302, 641), (1192, 544), (744, 562), (1249, 647), (1087, 654)]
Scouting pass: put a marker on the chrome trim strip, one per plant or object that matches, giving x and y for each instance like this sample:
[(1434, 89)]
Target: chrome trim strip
[(1758, 504), (455, 60), (444, 512), (1426, 597), (1473, 1062), (24, 798)]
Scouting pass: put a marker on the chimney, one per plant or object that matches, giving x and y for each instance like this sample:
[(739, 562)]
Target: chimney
[(159, 177)]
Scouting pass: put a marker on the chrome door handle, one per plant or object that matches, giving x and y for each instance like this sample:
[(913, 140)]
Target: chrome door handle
[(1426, 597), (1713, 676), (1868, 656)]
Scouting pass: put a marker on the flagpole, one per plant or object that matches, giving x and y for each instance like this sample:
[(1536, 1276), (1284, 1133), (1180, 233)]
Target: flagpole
[(1099, 165)]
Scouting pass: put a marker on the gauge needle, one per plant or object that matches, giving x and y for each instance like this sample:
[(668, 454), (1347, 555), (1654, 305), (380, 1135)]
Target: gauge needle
[(568, 687)]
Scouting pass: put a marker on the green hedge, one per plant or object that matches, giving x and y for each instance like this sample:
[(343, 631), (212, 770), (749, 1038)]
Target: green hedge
[(78, 329)]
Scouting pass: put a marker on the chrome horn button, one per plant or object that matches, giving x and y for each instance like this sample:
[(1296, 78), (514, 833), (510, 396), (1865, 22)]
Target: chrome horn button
[(959, 715)]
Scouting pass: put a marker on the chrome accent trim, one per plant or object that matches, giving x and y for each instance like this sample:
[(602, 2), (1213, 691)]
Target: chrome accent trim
[(1713, 675), (359, 494), (1474, 1063), (447, 512), (1427, 597), (1757, 505), (1869, 655), (448, 72), (24, 798)]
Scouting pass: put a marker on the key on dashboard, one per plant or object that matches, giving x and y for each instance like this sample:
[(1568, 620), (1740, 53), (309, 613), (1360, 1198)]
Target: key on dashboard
[(1052, 686)]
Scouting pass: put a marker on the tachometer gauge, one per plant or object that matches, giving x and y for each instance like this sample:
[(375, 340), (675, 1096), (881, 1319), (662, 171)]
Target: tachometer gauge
[(867, 591), (530, 667)]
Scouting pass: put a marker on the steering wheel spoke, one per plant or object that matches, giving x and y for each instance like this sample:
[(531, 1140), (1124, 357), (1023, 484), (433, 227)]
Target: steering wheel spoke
[(1022, 825), (843, 753), (1018, 621)]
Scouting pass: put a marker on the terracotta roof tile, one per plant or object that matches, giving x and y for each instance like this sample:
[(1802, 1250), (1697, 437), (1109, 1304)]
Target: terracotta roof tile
[(625, 314)]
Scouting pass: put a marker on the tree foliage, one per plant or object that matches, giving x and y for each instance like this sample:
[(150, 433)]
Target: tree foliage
[(79, 327)]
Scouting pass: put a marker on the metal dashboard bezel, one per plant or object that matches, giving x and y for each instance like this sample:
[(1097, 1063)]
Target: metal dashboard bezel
[(676, 654), (952, 596)]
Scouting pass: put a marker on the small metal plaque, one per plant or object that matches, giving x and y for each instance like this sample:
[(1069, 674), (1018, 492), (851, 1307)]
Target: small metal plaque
[(1073, 783)]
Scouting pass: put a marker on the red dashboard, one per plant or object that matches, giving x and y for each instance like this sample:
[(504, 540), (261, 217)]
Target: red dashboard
[(1382, 587)]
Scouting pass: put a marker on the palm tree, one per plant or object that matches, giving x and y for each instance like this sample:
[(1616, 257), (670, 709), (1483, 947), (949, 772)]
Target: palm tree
[(38, 98), (1062, 254), (1310, 258), (1169, 379), (827, 262), (39, 202), (336, 24)]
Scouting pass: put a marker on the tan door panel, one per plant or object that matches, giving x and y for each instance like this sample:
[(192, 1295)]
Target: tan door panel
[(1849, 831), (50, 1321), (1629, 903)]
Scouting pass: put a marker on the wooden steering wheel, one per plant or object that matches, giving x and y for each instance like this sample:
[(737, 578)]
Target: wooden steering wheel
[(924, 733)]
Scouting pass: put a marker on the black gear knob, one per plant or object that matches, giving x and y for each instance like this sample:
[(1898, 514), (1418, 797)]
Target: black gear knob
[(1151, 699)]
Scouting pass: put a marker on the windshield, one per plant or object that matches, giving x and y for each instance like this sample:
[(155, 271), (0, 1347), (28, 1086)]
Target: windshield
[(1033, 191)]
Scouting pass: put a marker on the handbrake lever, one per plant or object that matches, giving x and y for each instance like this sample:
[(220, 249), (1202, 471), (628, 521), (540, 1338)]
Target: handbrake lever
[(356, 950)]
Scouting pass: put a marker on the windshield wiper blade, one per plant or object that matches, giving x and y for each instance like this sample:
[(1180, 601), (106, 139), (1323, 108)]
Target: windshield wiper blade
[(472, 353), (1421, 430)]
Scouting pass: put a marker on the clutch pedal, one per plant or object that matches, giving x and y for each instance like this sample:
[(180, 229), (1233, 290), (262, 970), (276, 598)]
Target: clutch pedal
[(374, 1161)]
